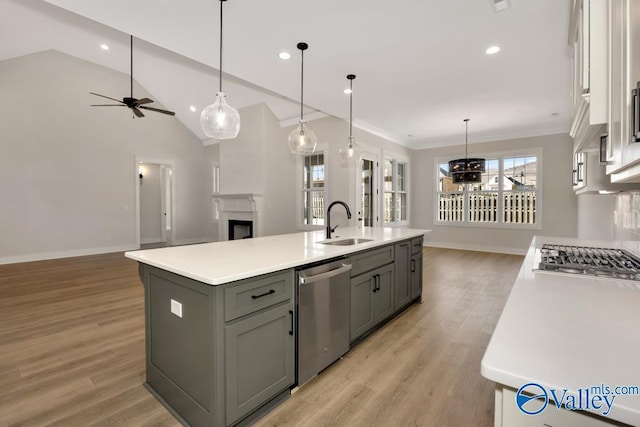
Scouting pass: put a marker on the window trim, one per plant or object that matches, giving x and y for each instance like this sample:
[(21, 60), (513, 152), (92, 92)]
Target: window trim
[(320, 149), (395, 159), (500, 155)]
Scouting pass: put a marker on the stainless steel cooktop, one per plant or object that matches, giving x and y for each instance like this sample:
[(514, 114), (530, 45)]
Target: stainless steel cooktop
[(602, 262)]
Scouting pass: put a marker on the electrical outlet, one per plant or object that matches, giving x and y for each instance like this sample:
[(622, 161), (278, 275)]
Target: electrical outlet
[(176, 308)]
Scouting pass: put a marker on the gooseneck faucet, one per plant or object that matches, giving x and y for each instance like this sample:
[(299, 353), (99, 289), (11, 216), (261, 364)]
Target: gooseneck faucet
[(337, 202)]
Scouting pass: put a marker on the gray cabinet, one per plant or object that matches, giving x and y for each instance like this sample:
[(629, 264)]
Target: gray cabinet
[(259, 358), (416, 276), (402, 275), (415, 268), (216, 355), (371, 299)]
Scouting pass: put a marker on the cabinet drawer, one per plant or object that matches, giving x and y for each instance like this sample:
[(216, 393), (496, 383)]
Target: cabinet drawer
[(255, 294), (416, 245), (369, 260)]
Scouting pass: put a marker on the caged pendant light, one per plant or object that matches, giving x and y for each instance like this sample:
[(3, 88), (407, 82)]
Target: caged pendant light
[(220, 120), (466, 171), (350, 151), (302, 140)]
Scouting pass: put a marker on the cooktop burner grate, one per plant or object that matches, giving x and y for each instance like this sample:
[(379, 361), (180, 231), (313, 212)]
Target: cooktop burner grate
[(603, 262)]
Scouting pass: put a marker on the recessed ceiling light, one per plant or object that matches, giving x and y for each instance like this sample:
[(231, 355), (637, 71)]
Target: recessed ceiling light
[(192, 108), (492, 50), (347, 91), (284, 55), (104, 46)]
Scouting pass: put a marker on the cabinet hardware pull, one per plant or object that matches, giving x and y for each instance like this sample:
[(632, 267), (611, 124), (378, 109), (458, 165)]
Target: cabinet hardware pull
[(375, 283), (291, 330), (635, 114), (404, 245), (413, 265), (377, 276), (271, 291)]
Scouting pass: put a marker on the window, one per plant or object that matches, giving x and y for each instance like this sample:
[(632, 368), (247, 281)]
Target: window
[(395, 177), (507, 194), (313, 186)]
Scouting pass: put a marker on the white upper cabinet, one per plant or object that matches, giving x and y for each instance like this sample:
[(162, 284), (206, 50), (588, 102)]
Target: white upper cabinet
[(623, 149), (588, 36)]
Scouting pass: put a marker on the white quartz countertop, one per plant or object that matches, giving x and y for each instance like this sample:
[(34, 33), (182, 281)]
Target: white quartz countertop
[(222, 262), (573, 332)]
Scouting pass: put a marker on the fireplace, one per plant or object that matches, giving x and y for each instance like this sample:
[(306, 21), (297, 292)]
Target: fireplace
[(240, 229), (238, 215)]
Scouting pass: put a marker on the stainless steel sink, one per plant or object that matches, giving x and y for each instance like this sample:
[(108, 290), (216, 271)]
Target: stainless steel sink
[(345, 242)]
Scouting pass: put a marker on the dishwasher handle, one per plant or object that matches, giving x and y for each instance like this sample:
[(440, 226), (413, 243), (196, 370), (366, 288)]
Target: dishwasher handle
[(310, 279)]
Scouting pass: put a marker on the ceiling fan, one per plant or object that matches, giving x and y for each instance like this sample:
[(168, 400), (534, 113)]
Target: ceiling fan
[(131, 102)]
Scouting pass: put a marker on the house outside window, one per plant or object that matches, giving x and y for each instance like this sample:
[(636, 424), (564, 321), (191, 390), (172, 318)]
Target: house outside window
[(313, 190), (395, 187), (507, 196)]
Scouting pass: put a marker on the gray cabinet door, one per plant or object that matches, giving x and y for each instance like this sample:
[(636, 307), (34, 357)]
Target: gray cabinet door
[(416, 276), (402, 280), (383, 298), (259, 357), (362, 294)]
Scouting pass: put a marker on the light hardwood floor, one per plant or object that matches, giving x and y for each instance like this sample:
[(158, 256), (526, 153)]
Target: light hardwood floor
[(72, 350)]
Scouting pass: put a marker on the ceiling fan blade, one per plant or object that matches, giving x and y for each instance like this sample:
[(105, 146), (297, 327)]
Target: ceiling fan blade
[(108, 105), (137, 112), (108, 97), (144, 101), (157, 110)]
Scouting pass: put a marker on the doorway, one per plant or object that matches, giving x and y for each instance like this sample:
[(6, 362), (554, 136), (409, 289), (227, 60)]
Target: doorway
[(154, 203), (368, 190)]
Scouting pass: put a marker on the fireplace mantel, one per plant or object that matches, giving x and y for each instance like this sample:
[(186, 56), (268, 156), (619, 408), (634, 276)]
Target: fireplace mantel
[(237, 206)]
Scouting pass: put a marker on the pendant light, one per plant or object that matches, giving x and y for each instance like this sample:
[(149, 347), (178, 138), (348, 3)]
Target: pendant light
[(350, 151), (302, 140), (220, 120), (466, 171)]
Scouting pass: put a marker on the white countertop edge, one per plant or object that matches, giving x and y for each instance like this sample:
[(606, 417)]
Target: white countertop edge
[(150, 256)]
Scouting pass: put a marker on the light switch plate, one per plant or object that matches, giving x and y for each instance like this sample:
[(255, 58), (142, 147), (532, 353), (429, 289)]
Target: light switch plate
[(176, 308)]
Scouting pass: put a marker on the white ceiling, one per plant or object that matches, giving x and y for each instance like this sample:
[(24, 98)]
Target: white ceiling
[(420, 64)]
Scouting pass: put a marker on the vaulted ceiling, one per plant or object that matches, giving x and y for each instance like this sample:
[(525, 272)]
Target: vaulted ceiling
[(421, 65)]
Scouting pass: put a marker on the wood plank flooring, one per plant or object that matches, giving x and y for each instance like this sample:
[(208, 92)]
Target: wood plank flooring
[(72, 350)]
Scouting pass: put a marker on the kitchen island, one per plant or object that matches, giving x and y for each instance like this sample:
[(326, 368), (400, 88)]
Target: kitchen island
[(574, 338), (220, 318)]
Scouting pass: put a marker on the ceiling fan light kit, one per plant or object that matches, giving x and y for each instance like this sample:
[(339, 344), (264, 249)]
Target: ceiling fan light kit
[(350, 152), (130, 101), (302, 140), (467, 170), (220, 120)]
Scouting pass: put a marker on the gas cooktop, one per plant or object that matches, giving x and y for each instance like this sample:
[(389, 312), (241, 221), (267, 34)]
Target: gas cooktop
[(602, 262)]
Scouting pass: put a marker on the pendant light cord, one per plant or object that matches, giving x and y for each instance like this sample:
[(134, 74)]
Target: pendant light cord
[(301, 83), (466, 140), (220, 70), (350, 110), (131, 64)]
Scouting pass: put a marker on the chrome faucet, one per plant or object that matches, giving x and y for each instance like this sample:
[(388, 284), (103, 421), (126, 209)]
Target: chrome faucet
[(337, 202)]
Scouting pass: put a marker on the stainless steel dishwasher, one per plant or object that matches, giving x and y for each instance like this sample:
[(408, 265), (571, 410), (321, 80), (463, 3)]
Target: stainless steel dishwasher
[(323, 316)]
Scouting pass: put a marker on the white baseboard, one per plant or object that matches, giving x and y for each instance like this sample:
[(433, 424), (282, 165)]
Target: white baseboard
[(148, 240), (479, 248), (190, 241), (65, 254)]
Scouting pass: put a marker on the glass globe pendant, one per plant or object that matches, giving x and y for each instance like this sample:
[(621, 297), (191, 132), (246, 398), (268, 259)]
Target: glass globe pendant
[(302, 140), (220, 120), (350, 152)]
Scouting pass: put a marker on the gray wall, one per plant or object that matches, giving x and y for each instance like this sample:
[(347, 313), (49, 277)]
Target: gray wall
[(559, 202), (67, 170)]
